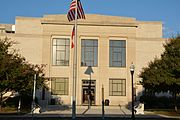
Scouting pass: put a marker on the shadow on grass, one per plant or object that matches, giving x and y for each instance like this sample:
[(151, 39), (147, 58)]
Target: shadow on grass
[(168, 112)]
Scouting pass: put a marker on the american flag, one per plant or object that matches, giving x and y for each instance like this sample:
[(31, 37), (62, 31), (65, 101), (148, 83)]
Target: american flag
[(72, 9)]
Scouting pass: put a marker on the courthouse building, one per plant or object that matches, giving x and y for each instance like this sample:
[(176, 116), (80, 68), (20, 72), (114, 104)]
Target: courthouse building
[(107, 43)]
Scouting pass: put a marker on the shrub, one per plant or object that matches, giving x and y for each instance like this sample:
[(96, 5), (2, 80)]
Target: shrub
[(154, 102)]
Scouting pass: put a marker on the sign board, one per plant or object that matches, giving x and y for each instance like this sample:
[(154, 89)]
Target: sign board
[(89, 70)]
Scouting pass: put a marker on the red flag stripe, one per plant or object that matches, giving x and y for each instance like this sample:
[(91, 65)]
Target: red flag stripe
[(72, 37)]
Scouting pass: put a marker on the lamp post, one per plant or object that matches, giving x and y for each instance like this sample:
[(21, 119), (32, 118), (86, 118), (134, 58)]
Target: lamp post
[(132, 67), (89, 92)]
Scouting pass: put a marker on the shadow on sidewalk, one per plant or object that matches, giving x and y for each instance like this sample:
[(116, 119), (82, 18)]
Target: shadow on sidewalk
[(56, 108), (85, 111)]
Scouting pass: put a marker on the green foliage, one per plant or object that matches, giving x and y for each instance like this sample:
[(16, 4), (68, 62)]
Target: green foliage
[(26, 101), (164, 74), (15, 73), (154, 102)]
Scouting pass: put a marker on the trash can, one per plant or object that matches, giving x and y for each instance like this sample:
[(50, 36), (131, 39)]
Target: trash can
[(53, 101), (106, 102)]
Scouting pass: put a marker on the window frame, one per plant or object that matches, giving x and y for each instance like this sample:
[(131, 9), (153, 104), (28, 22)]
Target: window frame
[(121, 84), (63, 80), (65, 51), (122, 53), (91, 49)]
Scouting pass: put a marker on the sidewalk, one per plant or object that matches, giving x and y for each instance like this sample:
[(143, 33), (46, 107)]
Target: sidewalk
[(54, 112), (83, 110), (96, 111)]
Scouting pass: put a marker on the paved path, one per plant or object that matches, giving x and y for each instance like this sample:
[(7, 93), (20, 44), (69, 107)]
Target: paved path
[(83, 110), (96, 111), (54, 112)]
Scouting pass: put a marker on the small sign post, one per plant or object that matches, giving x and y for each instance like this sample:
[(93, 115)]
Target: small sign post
[(88, 71), (102, 102)]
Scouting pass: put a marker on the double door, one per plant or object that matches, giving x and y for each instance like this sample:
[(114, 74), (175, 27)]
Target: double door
[(88, 92)]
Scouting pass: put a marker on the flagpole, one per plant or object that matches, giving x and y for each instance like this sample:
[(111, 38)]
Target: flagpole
[(74, 67)]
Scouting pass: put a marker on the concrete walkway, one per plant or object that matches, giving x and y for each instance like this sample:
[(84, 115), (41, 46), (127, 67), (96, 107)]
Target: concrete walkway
[(54, 112), (96, 111), (83, 110)]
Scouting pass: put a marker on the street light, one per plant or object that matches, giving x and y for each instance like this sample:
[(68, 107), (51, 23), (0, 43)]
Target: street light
[(132, 67)]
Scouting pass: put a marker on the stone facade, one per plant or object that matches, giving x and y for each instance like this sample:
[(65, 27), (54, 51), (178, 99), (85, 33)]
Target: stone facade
[(143, 40)]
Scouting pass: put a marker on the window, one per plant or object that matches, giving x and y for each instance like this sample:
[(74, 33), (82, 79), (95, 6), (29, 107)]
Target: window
[(117, 53), (61, 51), (89, 52), (59, 86), (117, 87)]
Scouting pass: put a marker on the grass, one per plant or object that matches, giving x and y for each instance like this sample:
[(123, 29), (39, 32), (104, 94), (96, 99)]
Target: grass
[(168, 112), (13, 110), (8, 109)]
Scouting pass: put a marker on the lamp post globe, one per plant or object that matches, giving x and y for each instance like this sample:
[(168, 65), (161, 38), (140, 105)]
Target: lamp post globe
[(132, 68)]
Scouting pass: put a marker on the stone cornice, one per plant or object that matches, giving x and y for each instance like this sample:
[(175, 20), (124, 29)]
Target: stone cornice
[(91, 20)]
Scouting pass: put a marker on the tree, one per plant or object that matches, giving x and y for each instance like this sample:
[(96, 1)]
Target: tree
[(15, 73), (163, 74)]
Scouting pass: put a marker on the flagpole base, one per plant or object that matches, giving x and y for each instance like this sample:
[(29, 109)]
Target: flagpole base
[(74, 110)]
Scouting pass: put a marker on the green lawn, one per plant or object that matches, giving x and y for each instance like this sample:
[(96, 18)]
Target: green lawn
[(168, 112), (13, 110), (8, 109)]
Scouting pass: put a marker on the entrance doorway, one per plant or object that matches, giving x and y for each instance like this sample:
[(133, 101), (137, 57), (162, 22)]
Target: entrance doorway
[(88, 89)]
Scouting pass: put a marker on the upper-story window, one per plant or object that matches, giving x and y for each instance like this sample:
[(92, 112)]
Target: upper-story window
[(117, 53), (61, 51), (89, 52)]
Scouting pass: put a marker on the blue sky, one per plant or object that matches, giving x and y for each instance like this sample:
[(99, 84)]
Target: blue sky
[(167, 11)]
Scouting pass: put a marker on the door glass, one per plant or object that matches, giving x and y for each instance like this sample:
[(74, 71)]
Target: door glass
[(85, 96)]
